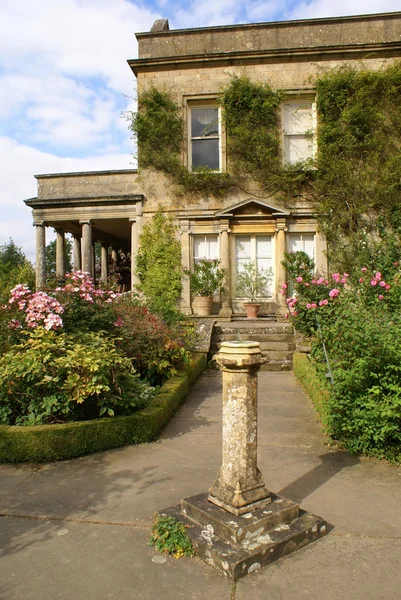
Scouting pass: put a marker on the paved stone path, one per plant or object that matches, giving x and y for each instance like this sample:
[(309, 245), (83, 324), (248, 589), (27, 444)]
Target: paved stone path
[(78, 529)]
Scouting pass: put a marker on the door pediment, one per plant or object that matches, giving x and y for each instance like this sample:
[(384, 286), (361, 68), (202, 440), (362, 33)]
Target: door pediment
[(252, 208)]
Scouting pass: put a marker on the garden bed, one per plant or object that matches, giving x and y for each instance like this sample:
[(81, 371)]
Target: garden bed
[(317, 390), (47, 443)]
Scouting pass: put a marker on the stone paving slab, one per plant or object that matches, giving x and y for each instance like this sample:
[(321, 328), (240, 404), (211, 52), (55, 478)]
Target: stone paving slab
[(347, 567), (50, 560)]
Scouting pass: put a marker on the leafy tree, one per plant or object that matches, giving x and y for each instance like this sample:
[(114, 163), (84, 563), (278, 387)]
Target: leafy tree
[(51, 257), (159, 265), (14, 268)]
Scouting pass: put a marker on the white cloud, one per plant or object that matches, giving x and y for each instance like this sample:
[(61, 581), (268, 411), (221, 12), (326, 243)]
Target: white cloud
[(333, 8), (17, 184)]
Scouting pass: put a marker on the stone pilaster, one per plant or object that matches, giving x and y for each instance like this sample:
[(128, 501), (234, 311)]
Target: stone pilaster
[(104, 263), (226, 308), (281, 273), (87, 252), (40, 255), (239, 486), (186, 264), (77, 253), (60, 254), (321, 253)]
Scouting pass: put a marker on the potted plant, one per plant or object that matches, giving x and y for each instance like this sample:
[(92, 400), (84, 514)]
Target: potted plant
[(251, 284), (206, 279)]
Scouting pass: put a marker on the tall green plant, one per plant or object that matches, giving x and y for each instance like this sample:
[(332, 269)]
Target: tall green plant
[(159, 265)]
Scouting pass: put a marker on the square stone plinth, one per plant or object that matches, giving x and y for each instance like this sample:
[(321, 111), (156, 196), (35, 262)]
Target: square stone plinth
[(238, 546)]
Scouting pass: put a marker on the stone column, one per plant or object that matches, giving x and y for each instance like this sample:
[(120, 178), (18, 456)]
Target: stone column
[(239, 486), (77, 253), (87, 258), (321, 253), (226, 308), (136, 229), (186, 264), (281, 272), (40, 255), (114, 256), (60, 254), (104, 263)]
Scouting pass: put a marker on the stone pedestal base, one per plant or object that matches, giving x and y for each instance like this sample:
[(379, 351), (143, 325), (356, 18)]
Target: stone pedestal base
[(240, 545)]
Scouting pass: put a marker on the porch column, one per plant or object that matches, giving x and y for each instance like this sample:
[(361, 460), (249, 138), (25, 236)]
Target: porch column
[(40, 255), (104, 263), (321, 253), (77, 253), (186, 264), (93, 261), (87, 259), (114, 256), (226, 308), (281, 272), (60, 254), (136, 229)]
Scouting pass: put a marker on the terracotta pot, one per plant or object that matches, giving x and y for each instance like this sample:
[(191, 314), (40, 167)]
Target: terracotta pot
[(202, 305), (252, 310)]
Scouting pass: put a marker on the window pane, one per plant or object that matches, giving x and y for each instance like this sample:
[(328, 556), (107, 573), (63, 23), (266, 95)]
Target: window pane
[(298, 148), (263, 246), (204, 122), (298, 117), (304, 242), (205, 153), (206, 246), (243, 247), (309, 244)]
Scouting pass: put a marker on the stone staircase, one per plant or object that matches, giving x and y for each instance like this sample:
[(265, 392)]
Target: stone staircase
[(277, 340)]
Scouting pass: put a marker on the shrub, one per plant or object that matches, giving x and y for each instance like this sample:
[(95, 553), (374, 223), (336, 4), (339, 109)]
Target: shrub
[(157, 350), (207, 277), (169, 537), (357, 317), (54, 377)]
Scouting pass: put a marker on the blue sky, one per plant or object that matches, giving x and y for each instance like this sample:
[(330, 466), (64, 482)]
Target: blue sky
[(64, 81)]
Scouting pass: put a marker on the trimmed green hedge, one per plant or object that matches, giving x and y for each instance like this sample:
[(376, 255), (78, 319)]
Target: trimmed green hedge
[(317, 390), (47, 443)]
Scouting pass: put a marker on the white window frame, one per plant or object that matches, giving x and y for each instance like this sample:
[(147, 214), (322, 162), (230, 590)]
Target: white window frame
[(301, 234), (210, 103), (205, 237), (311, 134), (254, 236)]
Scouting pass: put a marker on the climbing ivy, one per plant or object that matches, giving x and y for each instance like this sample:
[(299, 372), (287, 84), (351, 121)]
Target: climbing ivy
[(358, 185), (354, 184)]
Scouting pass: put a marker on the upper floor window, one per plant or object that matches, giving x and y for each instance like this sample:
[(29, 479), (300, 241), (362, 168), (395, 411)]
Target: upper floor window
[(299, 130), (205, 134)]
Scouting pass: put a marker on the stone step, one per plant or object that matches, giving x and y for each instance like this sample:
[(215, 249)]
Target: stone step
[(253, 327), (285, 354), (277, 365), (269, 344)]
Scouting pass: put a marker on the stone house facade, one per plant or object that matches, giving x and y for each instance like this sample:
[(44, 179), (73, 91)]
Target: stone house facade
[(193, 65)]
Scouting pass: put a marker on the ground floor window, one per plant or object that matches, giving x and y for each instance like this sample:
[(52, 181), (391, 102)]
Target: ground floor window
[(304, 242), (206, 246), (255, 248)]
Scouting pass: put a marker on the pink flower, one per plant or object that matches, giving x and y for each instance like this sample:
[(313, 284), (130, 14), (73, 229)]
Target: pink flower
[(373, 282), (313, 281), (309, 305), (323, 302), (299, 279), (346, 274), (295, 313), (361, 280), (14, 324), (320, 281), (395, 264), (286, 315), (364, 269), (378, 276), (336, 277), (381, 297), (118, 322), (382, 284), (343, 280), (284, 286), (334, 293), (314, 305), (388, 286)]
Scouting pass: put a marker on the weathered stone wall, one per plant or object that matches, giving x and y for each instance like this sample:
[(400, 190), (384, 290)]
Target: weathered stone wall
[(344, 31), (88, 185)]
